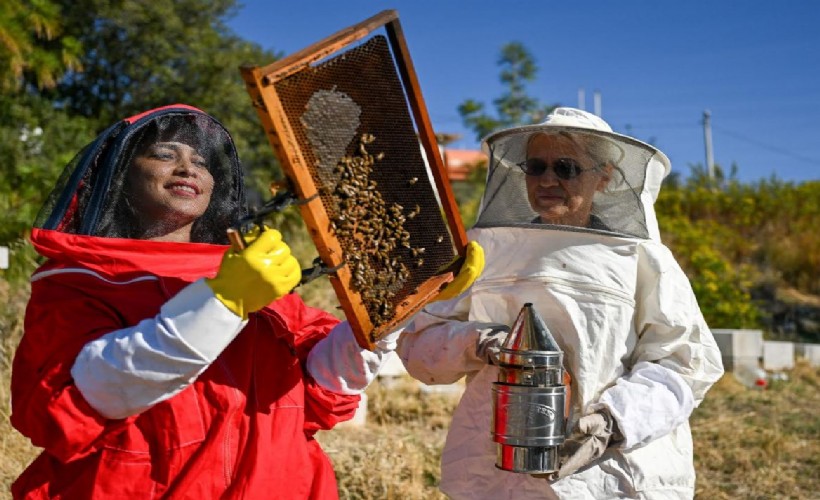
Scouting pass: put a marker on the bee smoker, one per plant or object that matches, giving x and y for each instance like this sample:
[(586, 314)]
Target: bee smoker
[(529, 398)]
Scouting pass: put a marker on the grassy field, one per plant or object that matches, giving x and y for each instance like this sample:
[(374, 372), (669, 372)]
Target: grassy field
[(749, 444)]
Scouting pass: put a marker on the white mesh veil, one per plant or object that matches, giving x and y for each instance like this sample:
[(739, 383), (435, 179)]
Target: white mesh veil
[(624, 206)]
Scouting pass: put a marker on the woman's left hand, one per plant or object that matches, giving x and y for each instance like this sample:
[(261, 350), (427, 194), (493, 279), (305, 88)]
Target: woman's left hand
[(587, 443), (470, 270)]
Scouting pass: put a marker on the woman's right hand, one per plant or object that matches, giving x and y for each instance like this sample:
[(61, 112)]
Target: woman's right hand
[(252, 278)]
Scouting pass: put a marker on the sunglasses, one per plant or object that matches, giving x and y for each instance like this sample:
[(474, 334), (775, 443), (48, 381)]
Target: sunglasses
[(564, 168)]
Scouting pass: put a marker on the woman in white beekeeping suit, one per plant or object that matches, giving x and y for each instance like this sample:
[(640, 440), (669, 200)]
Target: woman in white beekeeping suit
[(567, 224)]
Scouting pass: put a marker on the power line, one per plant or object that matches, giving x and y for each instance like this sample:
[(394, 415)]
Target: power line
[(670, 125), (755, 142), (630, 128)]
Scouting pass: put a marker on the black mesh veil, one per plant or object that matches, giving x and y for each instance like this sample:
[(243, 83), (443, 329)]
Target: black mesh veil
[(624, 207), (91, 196)]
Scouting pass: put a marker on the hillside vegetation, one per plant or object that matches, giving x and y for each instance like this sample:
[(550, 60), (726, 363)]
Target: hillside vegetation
[(740, 242)]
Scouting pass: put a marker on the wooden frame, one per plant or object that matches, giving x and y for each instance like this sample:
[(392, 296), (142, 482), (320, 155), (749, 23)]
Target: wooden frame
[(260, 81)]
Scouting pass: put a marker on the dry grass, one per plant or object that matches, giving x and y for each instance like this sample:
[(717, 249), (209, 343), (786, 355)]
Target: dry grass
[(748, 444), (396, 456), (15, 450), (760, 444)]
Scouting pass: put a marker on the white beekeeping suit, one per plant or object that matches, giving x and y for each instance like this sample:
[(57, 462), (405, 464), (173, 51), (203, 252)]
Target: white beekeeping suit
[(635, 342)]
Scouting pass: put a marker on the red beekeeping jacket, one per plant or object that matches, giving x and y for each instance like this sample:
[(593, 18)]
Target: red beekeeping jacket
[(243, 429)]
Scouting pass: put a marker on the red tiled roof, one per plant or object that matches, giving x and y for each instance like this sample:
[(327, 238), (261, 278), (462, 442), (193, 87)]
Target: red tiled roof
[(460, 162)]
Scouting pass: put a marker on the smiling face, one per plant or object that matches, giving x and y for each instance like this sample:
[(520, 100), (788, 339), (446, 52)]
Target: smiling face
[(170, 187), (557, 200)]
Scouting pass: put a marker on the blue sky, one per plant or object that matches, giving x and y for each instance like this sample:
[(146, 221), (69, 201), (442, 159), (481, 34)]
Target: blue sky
[(657, 66)]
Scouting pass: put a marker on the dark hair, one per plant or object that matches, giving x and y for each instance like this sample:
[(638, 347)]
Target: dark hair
[(210, 140)]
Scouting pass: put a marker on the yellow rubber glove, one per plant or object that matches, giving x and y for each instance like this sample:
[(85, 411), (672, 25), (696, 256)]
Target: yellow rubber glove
[(469, 272), (252, 278)]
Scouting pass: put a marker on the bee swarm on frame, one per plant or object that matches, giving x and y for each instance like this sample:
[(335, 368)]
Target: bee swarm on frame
[(371, 232)]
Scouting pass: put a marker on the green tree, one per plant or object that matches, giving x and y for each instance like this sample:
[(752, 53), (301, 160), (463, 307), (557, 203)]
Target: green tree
[(148, 54), (36, 142), (142, 54), (514, 106), (32, 49), (35, 137), (136, 55)]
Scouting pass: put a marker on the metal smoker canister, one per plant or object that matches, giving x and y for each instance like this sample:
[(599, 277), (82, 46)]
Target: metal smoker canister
[(529, 398)]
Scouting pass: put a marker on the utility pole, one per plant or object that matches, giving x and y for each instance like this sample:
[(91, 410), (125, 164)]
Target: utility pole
[(582, 98), (596, 100), (707, 141)]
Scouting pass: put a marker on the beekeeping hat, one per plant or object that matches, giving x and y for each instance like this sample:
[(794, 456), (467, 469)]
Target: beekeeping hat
[(624, 206)]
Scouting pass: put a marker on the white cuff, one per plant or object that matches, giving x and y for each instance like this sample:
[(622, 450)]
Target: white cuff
[(340, 365), (201, 320), (647, 403), (127, 371)]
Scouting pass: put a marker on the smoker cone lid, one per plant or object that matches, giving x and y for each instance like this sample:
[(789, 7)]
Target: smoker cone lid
[(530, 333)]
